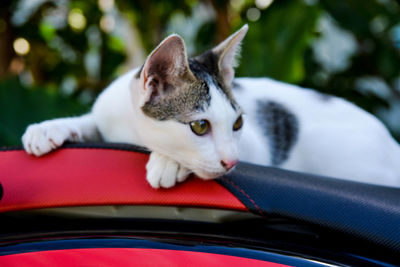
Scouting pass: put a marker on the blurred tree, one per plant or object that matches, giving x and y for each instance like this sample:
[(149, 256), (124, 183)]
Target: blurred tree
[(21, 106), (6, 38), (276, 43), (222, 25), (151, 17), (377, 57), (66, 41)]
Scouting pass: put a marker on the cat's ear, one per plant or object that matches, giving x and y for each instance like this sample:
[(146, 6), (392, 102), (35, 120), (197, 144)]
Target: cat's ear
[(227, 53), (165, 68)]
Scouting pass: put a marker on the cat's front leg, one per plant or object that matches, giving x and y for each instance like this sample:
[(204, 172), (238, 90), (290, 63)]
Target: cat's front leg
[(162, 171), (41, 138)]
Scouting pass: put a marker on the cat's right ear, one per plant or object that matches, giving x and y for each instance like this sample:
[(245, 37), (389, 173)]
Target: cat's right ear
[(165, 68), (222, 59), (227, 53)]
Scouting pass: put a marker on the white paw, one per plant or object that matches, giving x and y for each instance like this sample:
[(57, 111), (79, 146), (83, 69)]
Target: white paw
[(164, 172), (41, 138)]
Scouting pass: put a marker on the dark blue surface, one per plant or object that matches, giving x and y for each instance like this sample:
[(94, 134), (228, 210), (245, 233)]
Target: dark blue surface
[(361, 210)]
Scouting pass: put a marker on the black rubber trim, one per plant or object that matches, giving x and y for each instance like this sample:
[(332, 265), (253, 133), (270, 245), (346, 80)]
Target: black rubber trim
[(366, 211), (110, 146), (93, 145)]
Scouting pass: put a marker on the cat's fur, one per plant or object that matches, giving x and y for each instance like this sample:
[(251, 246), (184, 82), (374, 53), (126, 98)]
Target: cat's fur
[(284, 125)]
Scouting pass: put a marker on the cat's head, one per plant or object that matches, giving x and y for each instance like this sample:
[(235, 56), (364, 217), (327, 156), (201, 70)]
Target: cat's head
[(189, 113)]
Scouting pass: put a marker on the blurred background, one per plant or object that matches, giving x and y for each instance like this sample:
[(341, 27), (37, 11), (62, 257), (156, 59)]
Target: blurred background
[(57, 55)]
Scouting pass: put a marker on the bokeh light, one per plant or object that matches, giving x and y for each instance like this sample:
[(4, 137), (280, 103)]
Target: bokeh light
[(236, 4), (17, 65), (76, 19), (253, 14), (106, 5), (107, 23), (21, 46), (263, 4)]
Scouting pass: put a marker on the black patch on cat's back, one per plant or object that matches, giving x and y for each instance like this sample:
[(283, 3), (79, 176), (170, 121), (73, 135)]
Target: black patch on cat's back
[(281, 128)]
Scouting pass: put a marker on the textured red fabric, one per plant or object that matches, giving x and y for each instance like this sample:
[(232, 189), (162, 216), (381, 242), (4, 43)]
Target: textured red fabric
[(82, 177), (127, 257)]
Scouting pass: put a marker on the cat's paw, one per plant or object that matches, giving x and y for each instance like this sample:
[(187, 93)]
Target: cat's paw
[(164, 172), (41, 138)]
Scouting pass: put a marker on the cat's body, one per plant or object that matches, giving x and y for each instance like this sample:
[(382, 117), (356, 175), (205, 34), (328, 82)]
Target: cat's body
[(328, 135), (284, 125)]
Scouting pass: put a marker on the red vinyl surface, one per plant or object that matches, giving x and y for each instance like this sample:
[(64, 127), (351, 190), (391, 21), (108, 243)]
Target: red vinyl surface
[(82, 177), (127, 257)]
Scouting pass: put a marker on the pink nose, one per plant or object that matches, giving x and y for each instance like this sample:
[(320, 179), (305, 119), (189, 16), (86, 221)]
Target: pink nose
[(229, 164)]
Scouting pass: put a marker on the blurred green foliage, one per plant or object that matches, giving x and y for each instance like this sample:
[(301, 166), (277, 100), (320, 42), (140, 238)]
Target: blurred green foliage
[(275, 45), (77, 47), (22, 106)]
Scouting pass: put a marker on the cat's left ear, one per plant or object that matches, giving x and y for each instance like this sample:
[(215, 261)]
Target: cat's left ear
[(165, 69), (227, 53)]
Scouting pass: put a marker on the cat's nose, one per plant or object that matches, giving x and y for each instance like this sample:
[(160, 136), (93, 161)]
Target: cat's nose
[(228, 164)]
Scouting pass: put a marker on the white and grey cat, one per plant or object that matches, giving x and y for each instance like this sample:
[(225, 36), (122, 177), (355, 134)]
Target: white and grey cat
[(196, 118)]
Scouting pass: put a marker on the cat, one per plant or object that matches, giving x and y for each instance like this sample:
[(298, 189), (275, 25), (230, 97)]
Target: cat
[(195, 117)]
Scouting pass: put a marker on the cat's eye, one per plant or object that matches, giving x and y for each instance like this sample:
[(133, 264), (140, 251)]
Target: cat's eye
[(238, 123), (200, 127)]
